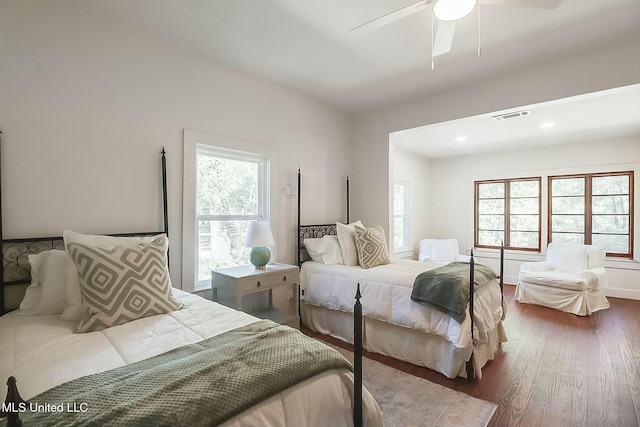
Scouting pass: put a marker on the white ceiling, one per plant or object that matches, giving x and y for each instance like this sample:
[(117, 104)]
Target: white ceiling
[(606, 114), (306, 44)]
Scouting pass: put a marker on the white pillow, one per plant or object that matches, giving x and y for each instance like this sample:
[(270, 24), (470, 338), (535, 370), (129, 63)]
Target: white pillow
[(31, 301), (567, 257), (346, 238), (329, 250), (74, 311), (311, 245), (29, 304), (444, 250), (47, 292)]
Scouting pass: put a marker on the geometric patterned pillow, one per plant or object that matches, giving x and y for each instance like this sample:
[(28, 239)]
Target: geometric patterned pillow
[(120, 284), (371, 246)]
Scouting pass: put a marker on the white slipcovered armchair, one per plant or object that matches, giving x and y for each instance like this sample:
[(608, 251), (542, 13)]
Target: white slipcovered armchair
[(571, 279), (440, 251)]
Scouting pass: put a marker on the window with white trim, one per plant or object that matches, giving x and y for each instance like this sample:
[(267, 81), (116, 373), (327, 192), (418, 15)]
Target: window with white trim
[(227, 182), (400, 215), (230, 193)]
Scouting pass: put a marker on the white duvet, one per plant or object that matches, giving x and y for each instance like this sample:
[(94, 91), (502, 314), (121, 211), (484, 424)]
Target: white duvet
[(43, 351), (386, 296)]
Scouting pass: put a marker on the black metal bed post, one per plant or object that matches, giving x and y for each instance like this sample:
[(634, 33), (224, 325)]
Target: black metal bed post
[(357, 360), (298, 229), (348, 217), (470, 367), (502, 274), (165, 200)]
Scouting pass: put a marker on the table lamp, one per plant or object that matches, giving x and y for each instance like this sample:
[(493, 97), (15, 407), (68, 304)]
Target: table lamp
[(258, 238)]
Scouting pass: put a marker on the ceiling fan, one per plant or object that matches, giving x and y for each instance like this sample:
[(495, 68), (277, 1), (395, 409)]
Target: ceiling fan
[(447, 12)]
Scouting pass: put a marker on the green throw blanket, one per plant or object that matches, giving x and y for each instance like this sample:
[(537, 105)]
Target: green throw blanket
[(446, 288), (205, 383)]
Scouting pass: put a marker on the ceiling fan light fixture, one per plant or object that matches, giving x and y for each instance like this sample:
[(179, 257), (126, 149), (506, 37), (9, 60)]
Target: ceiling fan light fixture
[(451, 10)]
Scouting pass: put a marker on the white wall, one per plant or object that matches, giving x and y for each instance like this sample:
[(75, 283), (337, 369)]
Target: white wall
[(86, 103), (413, 170)]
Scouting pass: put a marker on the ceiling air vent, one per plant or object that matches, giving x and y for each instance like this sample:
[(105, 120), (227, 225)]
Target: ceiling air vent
[(513, 115)]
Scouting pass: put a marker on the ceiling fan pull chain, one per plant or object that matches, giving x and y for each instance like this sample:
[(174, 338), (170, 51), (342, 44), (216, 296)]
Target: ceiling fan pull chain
[(479, 50)]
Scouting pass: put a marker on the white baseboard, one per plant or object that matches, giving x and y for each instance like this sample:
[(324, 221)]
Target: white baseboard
[(622, 293)]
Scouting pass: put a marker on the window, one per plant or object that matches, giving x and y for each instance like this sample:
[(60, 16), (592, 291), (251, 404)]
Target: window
[(593, 209), (227, 183), (508, 211), (400, 215), (229, 195)]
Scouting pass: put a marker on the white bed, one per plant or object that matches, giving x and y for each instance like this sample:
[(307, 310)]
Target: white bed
[(395, 325), (44, 351)]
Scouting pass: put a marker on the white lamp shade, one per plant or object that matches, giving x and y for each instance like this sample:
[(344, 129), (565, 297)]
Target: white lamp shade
[(259, 234), (450, 10)]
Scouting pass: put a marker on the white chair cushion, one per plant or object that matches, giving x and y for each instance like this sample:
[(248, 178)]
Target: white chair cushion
[(567, 258), (439, 250), (576, 282)]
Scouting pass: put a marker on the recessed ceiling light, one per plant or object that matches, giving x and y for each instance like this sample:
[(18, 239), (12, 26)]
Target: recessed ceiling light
[(547, 125), (461, 138)]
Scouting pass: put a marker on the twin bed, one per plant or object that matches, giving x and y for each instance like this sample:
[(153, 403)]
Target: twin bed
[(193, 362), (393, 323)]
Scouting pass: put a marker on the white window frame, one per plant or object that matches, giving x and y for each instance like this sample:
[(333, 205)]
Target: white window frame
[(200, 142), (404, 216)]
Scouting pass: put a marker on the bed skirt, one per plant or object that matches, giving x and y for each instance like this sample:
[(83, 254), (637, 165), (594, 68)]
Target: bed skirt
[(409, 345)]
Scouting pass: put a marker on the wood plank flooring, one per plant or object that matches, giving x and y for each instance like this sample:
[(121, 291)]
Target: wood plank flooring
[(557, 369)]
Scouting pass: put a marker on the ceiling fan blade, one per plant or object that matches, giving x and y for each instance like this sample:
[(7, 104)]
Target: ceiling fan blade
[(444, 37), (391, 17), (535, 4)]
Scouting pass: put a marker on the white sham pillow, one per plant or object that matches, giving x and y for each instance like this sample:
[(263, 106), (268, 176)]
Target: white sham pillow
[(311, 245), (47, 292), (329, 250), (29, 304), (74, 311), (346, 239)]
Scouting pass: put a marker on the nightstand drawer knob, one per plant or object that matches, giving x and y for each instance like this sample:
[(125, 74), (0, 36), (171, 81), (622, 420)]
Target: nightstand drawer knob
[(284, 279), (258, 285)]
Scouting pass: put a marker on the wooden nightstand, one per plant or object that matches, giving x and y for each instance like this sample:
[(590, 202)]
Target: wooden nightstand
[(268, 294)]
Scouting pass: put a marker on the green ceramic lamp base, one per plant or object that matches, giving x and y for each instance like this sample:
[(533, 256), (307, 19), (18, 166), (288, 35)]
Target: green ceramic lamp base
[(260, 256)]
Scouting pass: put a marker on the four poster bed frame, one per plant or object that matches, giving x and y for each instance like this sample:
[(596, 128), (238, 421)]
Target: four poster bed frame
[(320, 230), (15, 271)]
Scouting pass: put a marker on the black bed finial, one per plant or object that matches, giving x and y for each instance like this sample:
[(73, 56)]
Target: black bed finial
[(12, 402), (357, 360), (163, 152)]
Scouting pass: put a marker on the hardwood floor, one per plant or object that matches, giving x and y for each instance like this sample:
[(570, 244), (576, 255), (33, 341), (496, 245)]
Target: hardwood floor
[(557, 369)]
